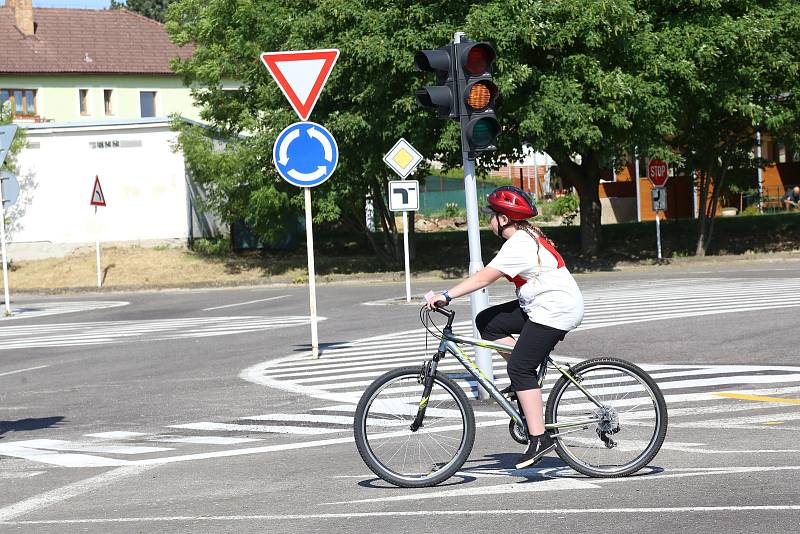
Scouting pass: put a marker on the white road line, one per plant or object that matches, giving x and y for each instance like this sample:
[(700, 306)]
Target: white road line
[(227, 427), (20, 474), (245, 303), (206, 440), (119, 434), (62, 445), (550, 484), (67, 492), (412, 513), (42, 309), (23, 370)]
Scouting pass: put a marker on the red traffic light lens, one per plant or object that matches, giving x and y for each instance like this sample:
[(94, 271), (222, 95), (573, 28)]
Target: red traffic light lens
[(478, 59)]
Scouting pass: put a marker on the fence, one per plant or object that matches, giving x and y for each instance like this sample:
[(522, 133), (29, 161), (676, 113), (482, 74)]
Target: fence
[(438, 191)]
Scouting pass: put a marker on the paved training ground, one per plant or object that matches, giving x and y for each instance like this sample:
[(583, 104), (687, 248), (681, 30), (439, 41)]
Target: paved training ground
[(699, 396)]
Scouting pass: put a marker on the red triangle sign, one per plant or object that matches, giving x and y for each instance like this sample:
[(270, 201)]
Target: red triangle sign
[(98, 199), (301, 75)]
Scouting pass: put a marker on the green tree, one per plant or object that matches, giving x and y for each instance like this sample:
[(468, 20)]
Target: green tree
[(574, 80), (732, 68), (368, 102), (153, 9)]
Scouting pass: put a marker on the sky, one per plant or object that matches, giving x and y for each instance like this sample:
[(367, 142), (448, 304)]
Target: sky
[(85, 4)]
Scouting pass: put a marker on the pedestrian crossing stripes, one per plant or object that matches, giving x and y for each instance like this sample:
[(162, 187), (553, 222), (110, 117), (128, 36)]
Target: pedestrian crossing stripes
[(692, 410), (41, 309), (104, 332)]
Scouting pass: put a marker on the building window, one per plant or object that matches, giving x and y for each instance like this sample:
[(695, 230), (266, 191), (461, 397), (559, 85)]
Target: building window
[(107, 101), (147, 103), (83, 101), (23, 101)]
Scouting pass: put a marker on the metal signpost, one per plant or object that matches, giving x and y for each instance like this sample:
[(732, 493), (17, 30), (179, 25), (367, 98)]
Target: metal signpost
[(404, 195), (305, 153), (465, 93), (7, 134), (658, 173), (98, 199)]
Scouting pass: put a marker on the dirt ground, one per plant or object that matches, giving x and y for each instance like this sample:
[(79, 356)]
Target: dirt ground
[(138, 268)]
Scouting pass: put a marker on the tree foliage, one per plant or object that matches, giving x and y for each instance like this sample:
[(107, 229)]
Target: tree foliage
[(368, 102), (152, 9), (587, 81), (732, 68)]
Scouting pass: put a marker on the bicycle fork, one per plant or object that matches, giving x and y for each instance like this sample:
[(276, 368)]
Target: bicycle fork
[(426, 375)]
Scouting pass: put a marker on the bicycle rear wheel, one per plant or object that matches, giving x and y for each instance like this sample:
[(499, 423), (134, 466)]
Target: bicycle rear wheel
[(406, 458), (627, 429)]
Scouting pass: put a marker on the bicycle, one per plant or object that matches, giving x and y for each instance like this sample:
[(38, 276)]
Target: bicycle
[(608, 416)]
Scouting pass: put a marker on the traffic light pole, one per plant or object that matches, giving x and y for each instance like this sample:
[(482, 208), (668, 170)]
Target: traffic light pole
[(479, 300)]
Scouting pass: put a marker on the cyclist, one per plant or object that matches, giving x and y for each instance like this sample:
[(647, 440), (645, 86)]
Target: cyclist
[(549, 304)]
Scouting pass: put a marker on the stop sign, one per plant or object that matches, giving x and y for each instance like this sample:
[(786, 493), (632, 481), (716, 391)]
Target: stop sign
[(657, 172)]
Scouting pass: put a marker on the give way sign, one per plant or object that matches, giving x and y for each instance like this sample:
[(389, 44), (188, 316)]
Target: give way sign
[(301, 75), (658, 172)]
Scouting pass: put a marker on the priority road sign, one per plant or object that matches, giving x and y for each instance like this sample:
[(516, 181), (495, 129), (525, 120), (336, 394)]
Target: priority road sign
[(98, 199), (403, 195), (402, 158), (305, 154), (657, 172), (301, 75)]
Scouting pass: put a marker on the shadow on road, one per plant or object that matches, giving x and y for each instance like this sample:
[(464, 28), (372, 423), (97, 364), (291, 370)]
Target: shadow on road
[(22, 425)]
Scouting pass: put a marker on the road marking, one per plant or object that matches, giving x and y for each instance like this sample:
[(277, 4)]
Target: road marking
[(410, 513), (550, 484), (207, 440), (96, 333), (245, 303), (758, 398), (67, 492), (228, 427), (61, 445), (42, 309), (116, 435), (23, 370), (26, 474)]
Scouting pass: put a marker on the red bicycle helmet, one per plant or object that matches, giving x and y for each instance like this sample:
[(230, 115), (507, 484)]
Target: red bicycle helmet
[(512, 202)]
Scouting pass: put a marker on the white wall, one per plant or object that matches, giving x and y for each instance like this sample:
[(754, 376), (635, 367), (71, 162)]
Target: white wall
[(143, 181)]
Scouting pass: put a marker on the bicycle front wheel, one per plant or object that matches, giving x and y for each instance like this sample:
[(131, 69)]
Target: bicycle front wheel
[(406, 458), (622, 432)]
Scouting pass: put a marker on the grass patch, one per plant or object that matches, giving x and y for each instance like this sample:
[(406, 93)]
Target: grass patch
[(347, 256)]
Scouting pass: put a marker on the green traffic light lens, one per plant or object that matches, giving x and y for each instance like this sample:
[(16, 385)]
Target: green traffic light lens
[(484, 132)]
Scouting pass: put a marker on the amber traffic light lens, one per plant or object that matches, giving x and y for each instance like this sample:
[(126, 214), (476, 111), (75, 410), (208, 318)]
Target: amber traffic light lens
[(480, 95)]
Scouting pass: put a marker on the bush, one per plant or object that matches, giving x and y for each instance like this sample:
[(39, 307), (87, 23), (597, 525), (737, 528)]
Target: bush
[(452, 209), (212, 247)]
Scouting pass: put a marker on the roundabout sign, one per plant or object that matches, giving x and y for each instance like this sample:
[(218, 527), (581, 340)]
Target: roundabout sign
[(305, 154)]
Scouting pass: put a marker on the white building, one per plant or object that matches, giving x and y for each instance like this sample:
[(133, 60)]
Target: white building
[(149, 197)]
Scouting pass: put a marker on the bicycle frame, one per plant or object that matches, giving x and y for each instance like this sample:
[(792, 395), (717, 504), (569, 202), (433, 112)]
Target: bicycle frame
[(449, 343)]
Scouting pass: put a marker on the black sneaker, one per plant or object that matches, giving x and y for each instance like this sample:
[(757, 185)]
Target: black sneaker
[(537, 448)]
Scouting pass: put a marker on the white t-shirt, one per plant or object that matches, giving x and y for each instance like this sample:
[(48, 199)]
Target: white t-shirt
[(546, 290)]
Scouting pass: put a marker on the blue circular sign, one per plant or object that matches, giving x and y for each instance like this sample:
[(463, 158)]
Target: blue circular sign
[(305, 154)]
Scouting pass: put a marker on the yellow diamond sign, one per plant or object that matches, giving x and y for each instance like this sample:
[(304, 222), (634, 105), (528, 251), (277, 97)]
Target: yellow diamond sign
[(402, 158)]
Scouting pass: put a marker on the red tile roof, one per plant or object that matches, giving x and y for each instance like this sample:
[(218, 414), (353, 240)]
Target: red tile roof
[(86, 41)]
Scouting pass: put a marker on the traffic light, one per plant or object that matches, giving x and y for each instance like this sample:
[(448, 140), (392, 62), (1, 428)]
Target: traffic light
[(442, 95), (478, 93)]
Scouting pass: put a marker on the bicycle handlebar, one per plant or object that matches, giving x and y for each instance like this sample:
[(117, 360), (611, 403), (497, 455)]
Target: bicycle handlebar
[(450, 314)]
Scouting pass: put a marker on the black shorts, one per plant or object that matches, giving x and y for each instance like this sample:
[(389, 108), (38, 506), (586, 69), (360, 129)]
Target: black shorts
[(534, 344)]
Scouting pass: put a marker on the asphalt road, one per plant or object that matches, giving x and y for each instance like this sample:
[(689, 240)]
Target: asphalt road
[(110, 415)]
